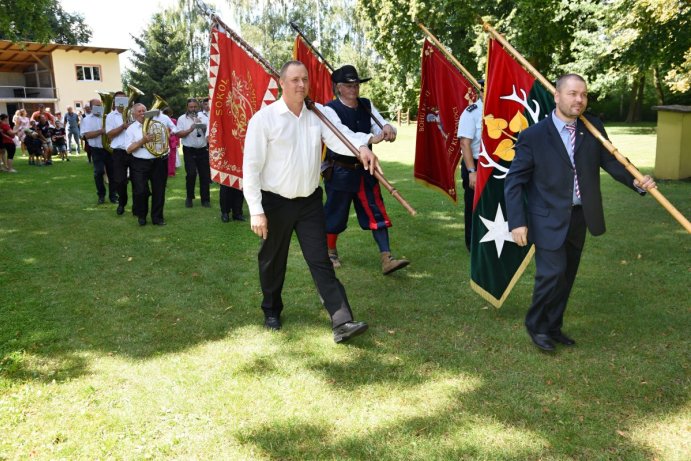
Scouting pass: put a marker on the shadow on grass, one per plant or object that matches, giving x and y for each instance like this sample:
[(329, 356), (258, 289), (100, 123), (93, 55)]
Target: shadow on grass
[(99, 284)]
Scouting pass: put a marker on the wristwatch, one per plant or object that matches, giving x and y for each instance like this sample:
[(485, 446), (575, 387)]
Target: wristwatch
[(471, 170)]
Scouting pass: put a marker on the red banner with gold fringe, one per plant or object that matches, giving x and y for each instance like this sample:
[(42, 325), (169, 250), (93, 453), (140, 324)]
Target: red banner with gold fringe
[(238, 87)]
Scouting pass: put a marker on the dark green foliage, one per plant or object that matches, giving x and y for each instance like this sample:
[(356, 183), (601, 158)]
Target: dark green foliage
[(160, 64), (41, 21)]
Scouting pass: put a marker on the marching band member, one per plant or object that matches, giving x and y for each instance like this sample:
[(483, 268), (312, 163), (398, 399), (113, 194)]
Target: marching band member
[(116, 131), (92, 130), (196, 150), (147, 169)]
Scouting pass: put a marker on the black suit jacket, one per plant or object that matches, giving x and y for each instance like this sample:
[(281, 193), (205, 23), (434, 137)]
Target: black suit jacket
[(541, 172)]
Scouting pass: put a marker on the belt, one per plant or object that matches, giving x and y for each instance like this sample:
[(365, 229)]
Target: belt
[(348, 166), (150, 159)]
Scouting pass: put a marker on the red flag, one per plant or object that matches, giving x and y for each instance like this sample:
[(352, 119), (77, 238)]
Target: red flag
[(444, 95), (238, 87), (321, 90)]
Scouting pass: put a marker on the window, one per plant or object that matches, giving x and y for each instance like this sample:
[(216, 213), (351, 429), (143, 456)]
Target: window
[(89, 73)]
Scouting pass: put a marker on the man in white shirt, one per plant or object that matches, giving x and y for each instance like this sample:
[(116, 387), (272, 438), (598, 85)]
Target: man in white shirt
[(196, 150), (282, 157), (92, 130), (205, 107), (116, 131), (470, 136), (145, 169)]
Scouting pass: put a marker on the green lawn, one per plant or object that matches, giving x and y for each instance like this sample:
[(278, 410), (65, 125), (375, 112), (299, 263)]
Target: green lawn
[(121, 342)]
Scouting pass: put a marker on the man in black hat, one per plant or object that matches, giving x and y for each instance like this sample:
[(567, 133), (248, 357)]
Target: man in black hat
[(345, 180), (470, 135)]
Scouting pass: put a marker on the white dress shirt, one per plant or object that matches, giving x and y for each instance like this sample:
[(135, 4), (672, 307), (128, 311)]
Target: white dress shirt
[(282, 152), (470, 126), (93, 123), (114, 120), (192, 140), (134, 134), (374, 128)]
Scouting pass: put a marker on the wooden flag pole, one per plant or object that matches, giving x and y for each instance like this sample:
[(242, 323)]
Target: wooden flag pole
[(296, 28), (595, 132), (451, 58), (308, 102)]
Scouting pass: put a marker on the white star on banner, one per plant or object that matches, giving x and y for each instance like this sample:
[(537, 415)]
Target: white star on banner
[(497, 231)]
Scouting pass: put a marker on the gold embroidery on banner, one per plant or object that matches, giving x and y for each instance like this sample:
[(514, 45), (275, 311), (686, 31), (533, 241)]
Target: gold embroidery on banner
[(240, 102)]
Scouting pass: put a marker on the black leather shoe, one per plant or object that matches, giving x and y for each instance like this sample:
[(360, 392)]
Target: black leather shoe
[(141, 221), (272, 323), (225, 217), (120, 211), (542, 341), (188, 203), (349, 330), (206, 204), (162, 222), (101, 200), (239, 217), (563, 339)]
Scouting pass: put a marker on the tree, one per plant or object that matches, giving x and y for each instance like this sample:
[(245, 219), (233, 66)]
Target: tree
[(194, 27), (160, 64), (635, 48), (41, 21)]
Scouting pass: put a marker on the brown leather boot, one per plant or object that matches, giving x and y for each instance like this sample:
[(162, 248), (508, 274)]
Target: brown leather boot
[(389, 264), (333, 256)]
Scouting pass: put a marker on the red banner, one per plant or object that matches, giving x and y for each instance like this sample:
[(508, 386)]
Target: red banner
[(444, 95), (321, 90), (238, 87)]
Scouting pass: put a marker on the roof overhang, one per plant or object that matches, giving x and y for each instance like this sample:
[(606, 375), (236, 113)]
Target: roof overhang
[(17, 57)]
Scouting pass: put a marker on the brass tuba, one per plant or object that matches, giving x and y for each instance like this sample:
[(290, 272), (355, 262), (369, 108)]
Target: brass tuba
[(159, 146), (107, 103), (133, 93)]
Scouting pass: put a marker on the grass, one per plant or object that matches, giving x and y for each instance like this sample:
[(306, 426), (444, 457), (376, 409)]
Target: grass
[(121, 342)]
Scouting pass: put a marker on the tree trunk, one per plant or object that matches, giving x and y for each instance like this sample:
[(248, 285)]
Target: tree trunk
[(658, 87), (634, 113), (639, 99)]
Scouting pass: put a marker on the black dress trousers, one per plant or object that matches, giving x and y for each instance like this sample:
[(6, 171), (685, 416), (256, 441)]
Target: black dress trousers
[(121, 162), (145, 172), (305, 216), (555, 273)]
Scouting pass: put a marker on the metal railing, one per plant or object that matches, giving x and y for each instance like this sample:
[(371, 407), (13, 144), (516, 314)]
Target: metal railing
[(28, 92)]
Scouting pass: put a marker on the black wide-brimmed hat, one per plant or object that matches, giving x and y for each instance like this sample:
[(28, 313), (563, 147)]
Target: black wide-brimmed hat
[(347, 74)]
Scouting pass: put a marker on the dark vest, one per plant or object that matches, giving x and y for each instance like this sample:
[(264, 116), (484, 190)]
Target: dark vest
[(358, 120)]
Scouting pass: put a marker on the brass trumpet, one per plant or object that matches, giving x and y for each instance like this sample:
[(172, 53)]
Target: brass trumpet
[(159, 145)]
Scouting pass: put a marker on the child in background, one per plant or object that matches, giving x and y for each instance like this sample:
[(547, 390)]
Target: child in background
[(59, 140), (34, 144)]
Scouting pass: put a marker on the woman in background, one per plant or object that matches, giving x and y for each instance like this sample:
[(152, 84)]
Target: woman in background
[(173, 142), (21, 123)]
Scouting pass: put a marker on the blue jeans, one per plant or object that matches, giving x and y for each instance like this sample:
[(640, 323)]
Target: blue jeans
[(73, 134)]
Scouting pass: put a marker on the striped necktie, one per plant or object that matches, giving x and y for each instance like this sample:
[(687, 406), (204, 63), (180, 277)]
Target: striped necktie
[(572, 139)]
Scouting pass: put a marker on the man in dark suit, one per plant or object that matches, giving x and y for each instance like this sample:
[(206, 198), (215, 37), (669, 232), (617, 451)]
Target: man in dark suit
[(557, 169)]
